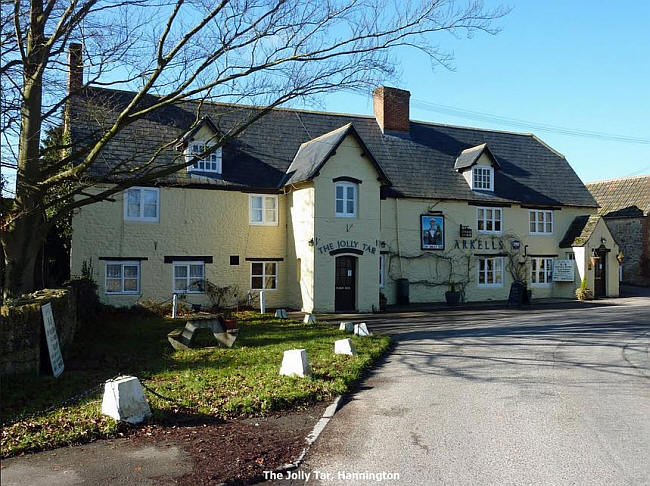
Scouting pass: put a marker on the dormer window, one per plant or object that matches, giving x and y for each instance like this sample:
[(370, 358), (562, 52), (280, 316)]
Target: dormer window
[(209, 163), (483, 178)]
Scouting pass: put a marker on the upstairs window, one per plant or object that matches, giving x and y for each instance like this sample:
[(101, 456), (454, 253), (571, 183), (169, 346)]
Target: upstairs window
[(263, 210), (142, 204), (209, 163), (345, 200), (541, 222), (483, 178), (489, 220)]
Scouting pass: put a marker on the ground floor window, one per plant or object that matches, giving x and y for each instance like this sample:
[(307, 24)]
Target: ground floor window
[(264, 275), (122, 277), (490, 272), (189, 277), (541, 270)]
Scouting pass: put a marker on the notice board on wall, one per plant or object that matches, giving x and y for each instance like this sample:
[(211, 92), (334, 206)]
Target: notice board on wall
[(56, 359), (564, 270)]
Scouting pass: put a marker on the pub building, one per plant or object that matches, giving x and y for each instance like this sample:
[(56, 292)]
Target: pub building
[(332, 212)]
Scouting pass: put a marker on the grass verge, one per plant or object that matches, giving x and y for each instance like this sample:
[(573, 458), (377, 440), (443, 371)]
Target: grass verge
[(202, 384)]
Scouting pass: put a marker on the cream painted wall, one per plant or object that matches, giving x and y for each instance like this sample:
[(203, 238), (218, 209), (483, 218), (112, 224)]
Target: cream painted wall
[(193, 222), (360, 232), (611, 271), (300, 259), (401, 234)]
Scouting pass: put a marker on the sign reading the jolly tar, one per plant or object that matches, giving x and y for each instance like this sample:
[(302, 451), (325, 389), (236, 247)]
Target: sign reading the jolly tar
[(563, 271), (347, 245), (52, 340)]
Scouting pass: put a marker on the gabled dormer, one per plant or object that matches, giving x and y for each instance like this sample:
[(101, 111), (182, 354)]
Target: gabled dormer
[(477, 165), (199, 140)]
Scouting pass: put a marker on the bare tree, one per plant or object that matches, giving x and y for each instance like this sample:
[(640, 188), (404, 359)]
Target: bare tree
[(167, 52)]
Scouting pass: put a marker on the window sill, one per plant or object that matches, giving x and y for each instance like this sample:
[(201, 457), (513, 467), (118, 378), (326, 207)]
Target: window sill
[(541, 285), (122, 293), (490, 286), (143, 220), (347, 216), (250, 223), (484, 232), (541, 234)]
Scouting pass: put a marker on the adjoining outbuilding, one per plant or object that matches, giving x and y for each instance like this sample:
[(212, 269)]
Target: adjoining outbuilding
[(625, 205)]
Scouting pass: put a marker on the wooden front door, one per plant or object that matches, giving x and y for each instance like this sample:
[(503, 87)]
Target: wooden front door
[(600, 275), (345, 283)]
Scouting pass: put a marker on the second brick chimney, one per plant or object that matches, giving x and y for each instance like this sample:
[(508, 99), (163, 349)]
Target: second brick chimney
[(75, 67), (391, 107)]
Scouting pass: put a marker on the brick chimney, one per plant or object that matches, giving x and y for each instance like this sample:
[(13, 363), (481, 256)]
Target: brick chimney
[(391, 107), (75, 67)]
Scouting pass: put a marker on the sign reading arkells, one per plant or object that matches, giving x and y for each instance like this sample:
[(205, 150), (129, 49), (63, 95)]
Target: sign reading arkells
[(432, 231), (52, 340), (564, 270)]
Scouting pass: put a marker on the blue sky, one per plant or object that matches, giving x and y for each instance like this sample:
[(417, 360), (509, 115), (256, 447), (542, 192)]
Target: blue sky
[(582, 65)]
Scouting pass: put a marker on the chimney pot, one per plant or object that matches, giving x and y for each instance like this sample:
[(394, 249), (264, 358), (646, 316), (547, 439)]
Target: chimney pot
[(391, 107), (75, 67)]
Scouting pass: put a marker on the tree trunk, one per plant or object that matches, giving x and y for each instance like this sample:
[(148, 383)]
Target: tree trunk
[(21, 247), (23, 239)]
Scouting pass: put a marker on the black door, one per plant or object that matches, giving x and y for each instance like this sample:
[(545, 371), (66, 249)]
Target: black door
[(345, 282), (600, 274)]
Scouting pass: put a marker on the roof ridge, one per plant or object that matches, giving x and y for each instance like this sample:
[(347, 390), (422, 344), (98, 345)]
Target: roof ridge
[(615, 179), (353, 115)]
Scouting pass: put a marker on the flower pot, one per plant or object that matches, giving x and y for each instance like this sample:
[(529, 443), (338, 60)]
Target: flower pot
[(230, 322), (593, 261), (452, 297), (620, 259)]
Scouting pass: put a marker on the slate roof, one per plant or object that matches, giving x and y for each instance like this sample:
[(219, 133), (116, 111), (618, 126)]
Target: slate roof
[(419, 164), (313, 154), (470, 156), (579, 231), (628, 197)]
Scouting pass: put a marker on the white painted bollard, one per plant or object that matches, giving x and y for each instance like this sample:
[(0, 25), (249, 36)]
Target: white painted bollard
[(174, 305), (362, 330), (295, 363), (309, 319), (281, 314), (347, 327), (344, 346), (262, 302), (124, 400)]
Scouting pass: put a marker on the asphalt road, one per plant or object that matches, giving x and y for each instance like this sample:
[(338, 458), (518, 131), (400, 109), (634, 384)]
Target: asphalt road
[(546, 396)]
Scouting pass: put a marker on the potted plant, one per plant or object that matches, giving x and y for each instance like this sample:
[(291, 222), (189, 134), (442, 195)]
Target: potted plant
[(593, 260), (620, 257), (583, 292), (229, 320), (452, 296)]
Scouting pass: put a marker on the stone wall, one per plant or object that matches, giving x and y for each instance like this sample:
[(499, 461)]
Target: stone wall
[(21, 329), (633, 236)]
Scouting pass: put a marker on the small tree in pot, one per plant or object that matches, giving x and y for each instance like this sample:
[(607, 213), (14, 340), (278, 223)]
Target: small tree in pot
[(452, 296)]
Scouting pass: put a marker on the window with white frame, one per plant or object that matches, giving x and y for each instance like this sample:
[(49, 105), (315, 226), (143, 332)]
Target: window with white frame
[(541, 222), (345, 199), (208, 163), (570, 255), (541, 271), (142, 204), (263, 210), (382, 270), (489, 220), (122, 278), (189, 277), (490, 272), (483, 178), (264, 275)]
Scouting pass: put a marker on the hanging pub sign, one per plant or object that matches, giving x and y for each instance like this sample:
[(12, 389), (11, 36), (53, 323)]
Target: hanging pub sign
[(56, 360), (432, 232), (564, 271)]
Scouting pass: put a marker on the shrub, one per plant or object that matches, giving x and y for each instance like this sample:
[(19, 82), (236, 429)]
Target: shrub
[(583, 292)]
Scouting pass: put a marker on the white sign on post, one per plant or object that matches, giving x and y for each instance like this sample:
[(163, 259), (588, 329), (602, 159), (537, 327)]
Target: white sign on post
[(564, 270), (52, 340)]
